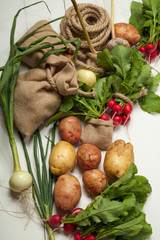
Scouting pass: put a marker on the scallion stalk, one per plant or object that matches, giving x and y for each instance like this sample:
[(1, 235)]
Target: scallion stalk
[(43, 181), (8, 80)]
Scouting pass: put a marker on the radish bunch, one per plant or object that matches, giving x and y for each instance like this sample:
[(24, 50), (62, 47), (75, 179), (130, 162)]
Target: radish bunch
[(70, 228), (55, 222), (150, 52), (117, 113)]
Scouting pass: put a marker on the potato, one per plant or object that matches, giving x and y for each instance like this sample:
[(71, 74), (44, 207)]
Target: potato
[(70, 129), (67, 192), (128, 32), (88, 156), (118, 158), (94, 181), (62, 158)]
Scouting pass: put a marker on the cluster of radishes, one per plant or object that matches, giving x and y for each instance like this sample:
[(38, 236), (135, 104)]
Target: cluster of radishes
[(56, 220), (150, 52), (117, 113)]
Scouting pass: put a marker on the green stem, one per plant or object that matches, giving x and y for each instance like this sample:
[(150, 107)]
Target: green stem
[(35, 30), (49, 229), (50, 232), (89, 108), (14, 153), (2, 68)]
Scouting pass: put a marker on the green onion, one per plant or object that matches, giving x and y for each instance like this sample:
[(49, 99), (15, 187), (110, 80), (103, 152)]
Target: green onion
[(43, 182), (8, 80)]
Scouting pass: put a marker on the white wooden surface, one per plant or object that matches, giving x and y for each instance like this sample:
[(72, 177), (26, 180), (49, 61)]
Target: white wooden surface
[(144, 129)]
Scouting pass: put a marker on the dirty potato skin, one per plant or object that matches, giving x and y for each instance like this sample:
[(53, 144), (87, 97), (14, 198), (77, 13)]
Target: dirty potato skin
[(128, 32), (88, 156), (117, 159), (70, 129), (94, 181), (67, 193), (62, 158)]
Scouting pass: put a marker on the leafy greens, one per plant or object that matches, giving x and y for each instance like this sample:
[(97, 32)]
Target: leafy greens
[(117, 212), (145, 17), (131, 74), (127, 73)]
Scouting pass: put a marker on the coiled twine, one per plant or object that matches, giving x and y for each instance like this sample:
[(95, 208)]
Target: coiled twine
[(98, 26)]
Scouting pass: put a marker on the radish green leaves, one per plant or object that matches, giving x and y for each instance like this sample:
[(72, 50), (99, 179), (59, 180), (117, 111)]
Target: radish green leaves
[(130, 75), (117, 212), (145, 17)]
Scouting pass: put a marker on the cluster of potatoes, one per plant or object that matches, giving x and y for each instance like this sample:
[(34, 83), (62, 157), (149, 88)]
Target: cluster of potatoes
[(63, 157)]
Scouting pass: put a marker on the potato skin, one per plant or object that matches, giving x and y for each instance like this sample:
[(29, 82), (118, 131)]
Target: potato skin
[(70, 129), (62, 158), (117, 159), (88, 156), (94, 181), (128, 32), (67, 192)]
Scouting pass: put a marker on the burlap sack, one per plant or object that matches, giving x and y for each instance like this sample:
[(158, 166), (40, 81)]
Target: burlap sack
[(61, 74), (98, 132), (37, 98), (32, 59), (38, 92)]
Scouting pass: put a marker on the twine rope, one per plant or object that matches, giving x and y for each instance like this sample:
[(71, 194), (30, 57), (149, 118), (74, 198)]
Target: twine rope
[(142, 93), (50, 79), (123, 97), (98, 25)]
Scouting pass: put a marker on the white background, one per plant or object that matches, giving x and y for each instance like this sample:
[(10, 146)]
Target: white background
[(143, 130)]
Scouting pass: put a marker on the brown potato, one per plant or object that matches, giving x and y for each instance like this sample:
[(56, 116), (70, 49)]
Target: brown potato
[(128, 32), (62, 158), (88, 156), (118, 158), (94, 181), (70, 129), (67, 192)]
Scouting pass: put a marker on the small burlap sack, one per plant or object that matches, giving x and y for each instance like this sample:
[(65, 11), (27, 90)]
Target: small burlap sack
[(32, 59), (38, 92), (98, 132), (37, 98)]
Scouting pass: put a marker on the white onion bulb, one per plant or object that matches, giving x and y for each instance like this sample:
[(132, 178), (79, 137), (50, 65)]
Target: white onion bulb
[(20, 181), (86, 76)]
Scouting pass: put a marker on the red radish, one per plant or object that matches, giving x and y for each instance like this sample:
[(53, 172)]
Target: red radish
[(90, 237), (157, 50), (54, 221), (127, 109), (152, 56), (69, 227), (117, 109), (150, 47), (142, 49), (117, 120), (125, 119), (104, 117), (159, 43), (77, 236), (76, 211), (113, 114), (110, 104)]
